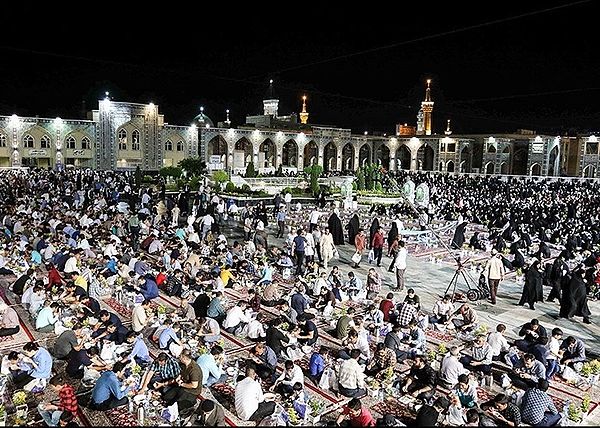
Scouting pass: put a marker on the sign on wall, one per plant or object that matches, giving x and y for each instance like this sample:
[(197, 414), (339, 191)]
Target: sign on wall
[(38, 152)]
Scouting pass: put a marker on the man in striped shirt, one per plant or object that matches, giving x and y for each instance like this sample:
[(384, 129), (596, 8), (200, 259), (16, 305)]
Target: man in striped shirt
[(51, 412)]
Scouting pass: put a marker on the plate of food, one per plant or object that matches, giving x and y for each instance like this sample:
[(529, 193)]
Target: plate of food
[(231, 371)]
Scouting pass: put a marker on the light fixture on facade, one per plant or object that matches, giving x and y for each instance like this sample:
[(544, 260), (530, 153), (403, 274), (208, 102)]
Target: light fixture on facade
[(14, 121)]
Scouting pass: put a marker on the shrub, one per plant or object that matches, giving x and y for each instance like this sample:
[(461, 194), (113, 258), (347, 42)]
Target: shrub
[(194, 183), (250, 171), (220, 176), (230, 187)]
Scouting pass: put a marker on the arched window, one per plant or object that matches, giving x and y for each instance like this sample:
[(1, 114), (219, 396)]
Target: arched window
[(2, 140), (45, 142), (168, 146), (180, 146), (135, 140), (70, 142), (122, 139), (86, 143), (28, 141)]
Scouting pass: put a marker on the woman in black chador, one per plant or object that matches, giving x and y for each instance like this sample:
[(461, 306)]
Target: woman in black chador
[(459, 236), (353, 227), (335, 227), (532, 290), (573, 301)]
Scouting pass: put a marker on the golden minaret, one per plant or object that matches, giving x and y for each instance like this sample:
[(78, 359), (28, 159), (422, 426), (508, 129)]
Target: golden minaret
[(304, 113)]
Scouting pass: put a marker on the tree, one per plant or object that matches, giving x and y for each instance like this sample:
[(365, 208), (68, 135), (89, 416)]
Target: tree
[(360, 179), (170, 171), (220, 177), (193, 166), (314, 172), (250, 171)]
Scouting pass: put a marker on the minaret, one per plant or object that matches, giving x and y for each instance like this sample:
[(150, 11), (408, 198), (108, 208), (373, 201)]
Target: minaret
[(270, 103), (448, 131), (227, 122), (427, 107), (304, 113)]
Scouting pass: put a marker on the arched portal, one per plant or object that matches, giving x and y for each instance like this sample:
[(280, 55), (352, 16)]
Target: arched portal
[(311, 154), (266, 154), (426, 155), (364, 155), (450, 166), (289, 154), (403, 157), (465, 159), (489, 168), (382, 156), (242, 153), (330, 157), (504, 168), (348, 157), (536, 169), (589, 171), (217, 146)]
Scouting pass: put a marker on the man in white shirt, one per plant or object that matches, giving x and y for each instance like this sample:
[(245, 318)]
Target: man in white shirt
[(73, 261), (451, 368), (236, 317), (250, 404), (494, 270), (351, 376), (442, 310), (400, 265), (207, 222), (314, 219), (291, 375), (139, 317), (288, 201), (498, 343)]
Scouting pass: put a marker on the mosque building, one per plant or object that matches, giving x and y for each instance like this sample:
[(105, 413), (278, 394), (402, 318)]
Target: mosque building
[(124, 135)]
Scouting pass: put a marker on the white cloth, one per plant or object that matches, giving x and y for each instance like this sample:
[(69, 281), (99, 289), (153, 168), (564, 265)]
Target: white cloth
[(451, 369), (235, 316), (248, 395), (400, 262)]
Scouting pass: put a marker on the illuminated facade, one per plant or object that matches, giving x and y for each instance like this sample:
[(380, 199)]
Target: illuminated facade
[(122, 135)]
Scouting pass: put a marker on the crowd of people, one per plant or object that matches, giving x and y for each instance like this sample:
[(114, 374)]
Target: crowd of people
[(73, 240)]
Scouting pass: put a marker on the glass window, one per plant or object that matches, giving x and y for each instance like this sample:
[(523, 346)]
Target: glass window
[(70, 142), (135, 140), (86, 143), (45, 142), (2, 140), (180, 146), (169, 146), (28, 141), (122, 139)]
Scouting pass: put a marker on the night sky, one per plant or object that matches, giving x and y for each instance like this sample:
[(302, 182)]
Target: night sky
[(496, 66)]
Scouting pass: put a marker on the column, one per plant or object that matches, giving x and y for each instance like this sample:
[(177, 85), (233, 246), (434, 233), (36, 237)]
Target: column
[(278, 154), (393, 163), (320, 152), (356, 157), (301, 157), (339, 158), (413, 158)]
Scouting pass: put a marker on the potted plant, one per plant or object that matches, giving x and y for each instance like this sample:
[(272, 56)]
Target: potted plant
[(585, 404), (574, 413)]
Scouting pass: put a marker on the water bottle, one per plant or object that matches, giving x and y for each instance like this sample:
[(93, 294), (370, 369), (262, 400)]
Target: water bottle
[(130, 406), (565, 409)]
